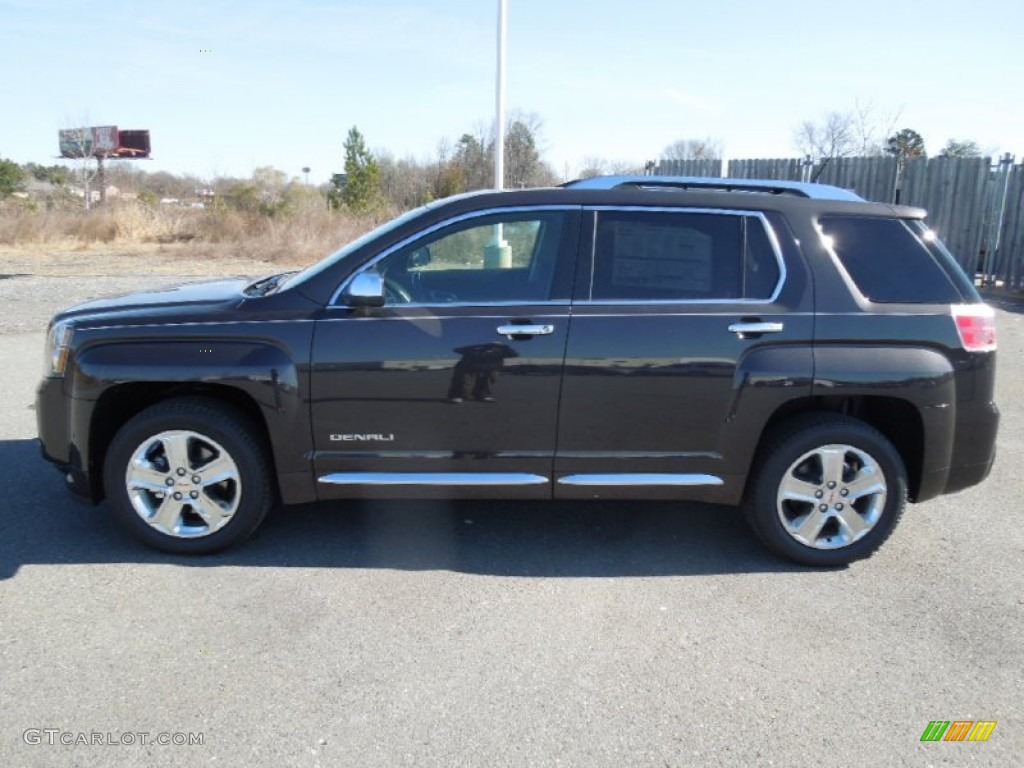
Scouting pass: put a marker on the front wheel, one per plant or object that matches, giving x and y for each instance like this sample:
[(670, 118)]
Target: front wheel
[(188, 476), (826, 490)]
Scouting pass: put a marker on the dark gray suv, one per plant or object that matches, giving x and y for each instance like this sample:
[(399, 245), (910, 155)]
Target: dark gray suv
[(790, 348)]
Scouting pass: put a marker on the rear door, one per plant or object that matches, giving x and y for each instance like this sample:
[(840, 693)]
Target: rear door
[(451, 388), (666, 359)]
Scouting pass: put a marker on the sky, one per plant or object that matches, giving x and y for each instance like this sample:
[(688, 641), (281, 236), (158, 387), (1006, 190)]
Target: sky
[(225, 87)]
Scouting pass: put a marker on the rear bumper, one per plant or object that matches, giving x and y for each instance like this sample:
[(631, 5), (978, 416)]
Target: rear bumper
[(974, 452)]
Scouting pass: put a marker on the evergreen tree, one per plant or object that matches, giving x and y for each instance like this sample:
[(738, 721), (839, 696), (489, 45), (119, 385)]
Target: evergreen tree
[(360, 189), (905, 144), (11, 177)]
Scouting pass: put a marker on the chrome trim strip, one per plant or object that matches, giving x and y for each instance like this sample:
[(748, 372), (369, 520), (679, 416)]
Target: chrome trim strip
[(773, 241), (465, 304), (675, 209), (639, 455), (441, 225), (587, 315), (189, 324), (441, 316), (445, 455), (646, 478), (433, 478), (670, 302)]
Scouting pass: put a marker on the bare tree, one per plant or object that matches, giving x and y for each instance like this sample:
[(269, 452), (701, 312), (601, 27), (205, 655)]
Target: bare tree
[(693, 149), (870, 126), (859, 131), (966, 148), (832, 136), (77, 144), (593, 166)]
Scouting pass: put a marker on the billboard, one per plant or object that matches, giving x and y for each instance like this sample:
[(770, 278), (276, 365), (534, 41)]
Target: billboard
[(103, 141)]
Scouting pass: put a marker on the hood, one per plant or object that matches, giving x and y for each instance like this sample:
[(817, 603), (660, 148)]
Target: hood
[(192, 298)]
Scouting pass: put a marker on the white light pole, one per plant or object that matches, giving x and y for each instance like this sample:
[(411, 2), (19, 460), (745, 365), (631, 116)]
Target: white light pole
[(499, 117), (497, 253)]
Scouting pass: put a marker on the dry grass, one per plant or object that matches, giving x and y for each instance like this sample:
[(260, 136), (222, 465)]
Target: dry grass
[(300, 236)]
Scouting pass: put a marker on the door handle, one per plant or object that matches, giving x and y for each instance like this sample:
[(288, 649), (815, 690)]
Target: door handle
[(511, 331), (744, 330)]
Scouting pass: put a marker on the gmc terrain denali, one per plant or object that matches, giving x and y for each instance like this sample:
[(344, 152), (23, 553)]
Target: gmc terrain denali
[(790, 348)]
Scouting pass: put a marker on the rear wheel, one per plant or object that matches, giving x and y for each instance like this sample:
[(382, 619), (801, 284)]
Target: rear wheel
[(827, 490), (188, 476)]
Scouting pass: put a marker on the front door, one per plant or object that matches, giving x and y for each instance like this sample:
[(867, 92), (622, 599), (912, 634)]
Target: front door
[(453, 385)]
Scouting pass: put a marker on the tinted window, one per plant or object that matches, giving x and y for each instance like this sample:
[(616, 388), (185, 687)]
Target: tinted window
[(492, 259), (887, 261), (682, 256)]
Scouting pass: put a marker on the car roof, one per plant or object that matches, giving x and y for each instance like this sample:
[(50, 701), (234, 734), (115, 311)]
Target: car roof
[(693, 192)]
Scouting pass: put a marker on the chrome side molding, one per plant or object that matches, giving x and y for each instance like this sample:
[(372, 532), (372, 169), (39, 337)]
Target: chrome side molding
[(514, 478), (433, 478), (640, 479)]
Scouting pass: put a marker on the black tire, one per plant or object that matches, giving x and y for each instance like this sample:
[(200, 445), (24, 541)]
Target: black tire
[(870, 454), (205, 430)]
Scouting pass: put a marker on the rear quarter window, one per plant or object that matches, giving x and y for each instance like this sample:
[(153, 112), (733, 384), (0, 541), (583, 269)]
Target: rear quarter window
[(887, 261)]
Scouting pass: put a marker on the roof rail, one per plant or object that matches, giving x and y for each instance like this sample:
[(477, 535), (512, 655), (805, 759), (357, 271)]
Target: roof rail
[(710, 183)]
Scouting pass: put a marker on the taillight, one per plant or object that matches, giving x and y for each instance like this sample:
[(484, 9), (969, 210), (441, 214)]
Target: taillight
[(976, 324)]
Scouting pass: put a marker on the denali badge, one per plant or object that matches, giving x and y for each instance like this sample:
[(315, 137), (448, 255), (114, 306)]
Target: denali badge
[(362, 438)]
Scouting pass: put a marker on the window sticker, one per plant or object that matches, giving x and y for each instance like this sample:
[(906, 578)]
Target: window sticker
[(663, 258)]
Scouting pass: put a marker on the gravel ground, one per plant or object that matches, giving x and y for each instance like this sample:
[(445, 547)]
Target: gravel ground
[(36, 284)]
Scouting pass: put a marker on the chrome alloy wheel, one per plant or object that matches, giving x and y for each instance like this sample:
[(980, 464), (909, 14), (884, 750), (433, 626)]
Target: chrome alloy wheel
[(831, 497), (183, 484)]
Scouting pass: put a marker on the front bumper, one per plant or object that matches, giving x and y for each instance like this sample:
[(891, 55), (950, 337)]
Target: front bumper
[(55, 442)]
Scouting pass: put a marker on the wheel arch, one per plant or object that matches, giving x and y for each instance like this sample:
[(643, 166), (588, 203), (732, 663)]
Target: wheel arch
[(120, 403), (899, 420)]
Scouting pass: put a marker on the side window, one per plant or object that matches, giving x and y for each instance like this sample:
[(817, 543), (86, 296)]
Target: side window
[(488, 259), (887, 261), (650, 256)]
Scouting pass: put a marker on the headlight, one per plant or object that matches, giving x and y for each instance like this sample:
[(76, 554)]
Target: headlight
[(58, 345)]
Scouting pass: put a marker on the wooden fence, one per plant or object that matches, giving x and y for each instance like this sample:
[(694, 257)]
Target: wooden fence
[(977, 207)]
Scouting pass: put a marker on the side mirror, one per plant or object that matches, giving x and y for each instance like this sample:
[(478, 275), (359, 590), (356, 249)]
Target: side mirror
[(365, 290)]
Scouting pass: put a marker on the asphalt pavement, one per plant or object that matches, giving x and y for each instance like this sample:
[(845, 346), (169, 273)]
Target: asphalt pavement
[(491, 634)]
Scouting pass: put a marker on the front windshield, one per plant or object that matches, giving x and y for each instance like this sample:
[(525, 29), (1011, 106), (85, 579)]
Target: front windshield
[(315, 269)]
